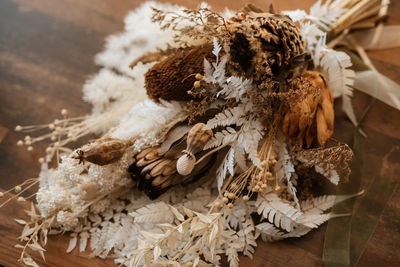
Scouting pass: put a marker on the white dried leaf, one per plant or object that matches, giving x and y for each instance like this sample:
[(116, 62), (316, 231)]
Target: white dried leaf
[(20, 221), (269, 232), (29, 262), (72, 244), (154, 212), (84, 236), (177, 214)]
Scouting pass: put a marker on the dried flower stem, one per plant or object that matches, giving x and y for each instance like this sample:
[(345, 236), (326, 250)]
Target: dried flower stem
[(31, 182)]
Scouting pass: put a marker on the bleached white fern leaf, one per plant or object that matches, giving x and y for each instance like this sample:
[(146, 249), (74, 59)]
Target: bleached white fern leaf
[(330, 174), (277, 212), (225, 118), (284, 168), (240, 157), (233, 257), (318, 205), (296, 15), (235, 87), (227, 165), (247, 233), (153, 213), (313, 220), (324, 14), (269, 232), (208, 71), (312, 34), (250, 136), (226, 136), (298, 231), (219, 72), (335, 65), (237, 214), (217, 48)]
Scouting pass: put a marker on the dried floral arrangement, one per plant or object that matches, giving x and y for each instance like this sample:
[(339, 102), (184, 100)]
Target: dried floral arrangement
[(213, 129)]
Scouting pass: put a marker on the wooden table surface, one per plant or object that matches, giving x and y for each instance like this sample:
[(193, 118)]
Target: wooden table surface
[(47, 51)]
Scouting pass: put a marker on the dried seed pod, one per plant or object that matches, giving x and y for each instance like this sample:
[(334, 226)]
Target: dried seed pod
[(171, 78), (103, 151), (185, 164), (196, 140)]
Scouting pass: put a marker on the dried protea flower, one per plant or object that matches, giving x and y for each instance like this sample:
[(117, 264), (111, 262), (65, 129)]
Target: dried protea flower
[(157, 170), (155, 173), (103, 151), (313, 117)]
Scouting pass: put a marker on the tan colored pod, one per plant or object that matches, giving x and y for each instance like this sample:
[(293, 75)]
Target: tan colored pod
[(197, 138)]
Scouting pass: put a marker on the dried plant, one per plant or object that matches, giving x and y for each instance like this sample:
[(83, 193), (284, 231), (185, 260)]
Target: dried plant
[(252, 87)]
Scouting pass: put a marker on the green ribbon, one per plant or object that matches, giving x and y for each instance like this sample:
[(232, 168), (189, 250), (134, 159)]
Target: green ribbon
[(365, 220), (337, 235), (347, 237)]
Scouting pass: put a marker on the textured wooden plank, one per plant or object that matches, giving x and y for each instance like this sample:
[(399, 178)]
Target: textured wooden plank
[(46, 55)]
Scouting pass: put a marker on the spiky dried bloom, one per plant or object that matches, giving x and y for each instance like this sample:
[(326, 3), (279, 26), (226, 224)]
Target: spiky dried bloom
[(312, 117), (155, 173)]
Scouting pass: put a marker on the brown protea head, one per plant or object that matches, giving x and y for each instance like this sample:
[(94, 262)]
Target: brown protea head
[(171, 78)]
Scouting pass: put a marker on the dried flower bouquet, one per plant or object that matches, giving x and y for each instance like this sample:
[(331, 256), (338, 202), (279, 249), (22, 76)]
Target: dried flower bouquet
[(213, 128)]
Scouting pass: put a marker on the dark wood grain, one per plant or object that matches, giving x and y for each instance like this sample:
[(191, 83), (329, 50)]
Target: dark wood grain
[(46, 54)]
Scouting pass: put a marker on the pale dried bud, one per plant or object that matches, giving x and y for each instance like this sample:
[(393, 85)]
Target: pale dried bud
[(196, 84), (199, 77), (18, 128), (246, 198), (231, 196), (185, 164), (20, 143)]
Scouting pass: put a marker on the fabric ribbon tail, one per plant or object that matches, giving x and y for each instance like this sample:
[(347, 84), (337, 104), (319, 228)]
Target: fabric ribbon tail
[(379, 86)]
